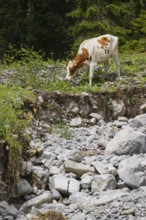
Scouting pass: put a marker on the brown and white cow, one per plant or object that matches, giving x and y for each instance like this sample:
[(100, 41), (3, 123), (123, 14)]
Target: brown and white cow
[(94, 51)]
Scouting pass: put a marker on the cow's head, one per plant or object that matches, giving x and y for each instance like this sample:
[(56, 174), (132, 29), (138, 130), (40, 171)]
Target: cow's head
[(71, 69), (78, 61)]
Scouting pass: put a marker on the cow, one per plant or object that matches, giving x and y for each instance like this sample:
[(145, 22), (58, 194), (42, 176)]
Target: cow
[(93, 52)]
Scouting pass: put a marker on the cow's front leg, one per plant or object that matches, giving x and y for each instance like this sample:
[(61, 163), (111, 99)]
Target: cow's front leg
[(91, 71)]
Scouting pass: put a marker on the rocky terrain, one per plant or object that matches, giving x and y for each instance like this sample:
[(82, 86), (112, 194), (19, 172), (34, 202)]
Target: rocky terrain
[(86, 159), (94, 172)]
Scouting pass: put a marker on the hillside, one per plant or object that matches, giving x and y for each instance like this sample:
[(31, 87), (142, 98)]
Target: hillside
[(43, 117)]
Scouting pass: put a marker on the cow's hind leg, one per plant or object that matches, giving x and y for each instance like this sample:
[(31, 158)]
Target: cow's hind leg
[(91, 71)]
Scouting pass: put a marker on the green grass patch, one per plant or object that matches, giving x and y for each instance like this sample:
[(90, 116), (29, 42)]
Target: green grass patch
[(31, 71)]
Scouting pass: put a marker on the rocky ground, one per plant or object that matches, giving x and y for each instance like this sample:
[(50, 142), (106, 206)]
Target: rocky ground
[(90, 167), (98, 173)]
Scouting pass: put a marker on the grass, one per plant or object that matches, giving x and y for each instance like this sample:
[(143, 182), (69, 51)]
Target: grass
[(31, 71)]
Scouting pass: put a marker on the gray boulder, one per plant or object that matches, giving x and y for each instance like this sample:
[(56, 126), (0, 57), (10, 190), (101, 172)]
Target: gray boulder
[(60, 183), (103, 183), (127, 141), (37, 201), (78, 168), (131, 171), (23, 187), (138, 121), (63, 184)]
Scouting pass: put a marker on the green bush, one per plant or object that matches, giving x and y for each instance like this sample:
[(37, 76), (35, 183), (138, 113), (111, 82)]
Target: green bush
[(12, 121)]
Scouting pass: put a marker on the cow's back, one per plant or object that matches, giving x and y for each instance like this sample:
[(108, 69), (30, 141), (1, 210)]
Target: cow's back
[(112, 42), (88, 44), (100, 47)]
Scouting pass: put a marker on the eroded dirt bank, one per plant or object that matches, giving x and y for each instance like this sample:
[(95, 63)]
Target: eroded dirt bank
[(127, 102)]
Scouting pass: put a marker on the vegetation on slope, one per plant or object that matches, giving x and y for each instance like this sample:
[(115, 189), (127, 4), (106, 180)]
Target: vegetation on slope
[(22, 79)]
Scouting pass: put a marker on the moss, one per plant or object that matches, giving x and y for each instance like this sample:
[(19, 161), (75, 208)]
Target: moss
[(49, 215)]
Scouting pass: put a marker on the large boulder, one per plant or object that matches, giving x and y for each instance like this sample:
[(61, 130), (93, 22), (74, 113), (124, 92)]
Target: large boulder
[(37, 201), (138, 121), (127, 141), (131, 171)]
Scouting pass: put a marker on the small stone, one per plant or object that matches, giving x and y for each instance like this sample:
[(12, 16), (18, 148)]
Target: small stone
[(75, 122)]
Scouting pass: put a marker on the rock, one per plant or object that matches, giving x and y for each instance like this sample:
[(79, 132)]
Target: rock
[(86, 180), (74, 186), (75, 122), (78, 168), (75, 110), (63, 184), (39, 177), (55, 194), (49, 157), (120, 124), (60, 183), (131, 171), (103, 182), (100, 168), (118, 108), (111, 169), (26, 168), (79, 216), (54, 170), (95, 115), (143, 108), (82, 201), (85, 110), (21, 217), (102, 142), (138, 121), (127, 141), (110, 196), (7, 210), (90, 139), (46, 197), (23, 187), (40, 99), (104, 169), (85, 94), (75, 155), (122, 119), (93, 121)]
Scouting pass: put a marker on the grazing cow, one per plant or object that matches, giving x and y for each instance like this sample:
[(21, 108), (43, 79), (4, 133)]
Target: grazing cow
[(94, 51)]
